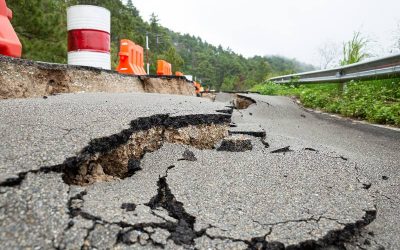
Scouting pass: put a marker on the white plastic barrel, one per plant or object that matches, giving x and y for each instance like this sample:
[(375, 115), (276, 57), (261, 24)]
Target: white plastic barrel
[(89, 36)]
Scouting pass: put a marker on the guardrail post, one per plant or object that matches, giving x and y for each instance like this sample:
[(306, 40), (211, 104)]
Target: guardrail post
[(341, 87)]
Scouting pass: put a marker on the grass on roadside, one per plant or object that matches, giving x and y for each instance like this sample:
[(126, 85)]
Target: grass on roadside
[(376, 101)]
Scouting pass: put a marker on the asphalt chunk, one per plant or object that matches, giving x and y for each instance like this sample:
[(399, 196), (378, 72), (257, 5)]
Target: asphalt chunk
[(188, 156), (235, 144), (129, 207)]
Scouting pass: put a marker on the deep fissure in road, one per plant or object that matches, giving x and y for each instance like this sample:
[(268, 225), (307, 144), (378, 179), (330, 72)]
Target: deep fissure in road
[(184, 232), (119, 156), (243, 102)]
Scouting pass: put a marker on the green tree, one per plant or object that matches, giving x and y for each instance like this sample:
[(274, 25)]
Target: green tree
[(174, 58), (41, 27), (229, 83), (132, 8)]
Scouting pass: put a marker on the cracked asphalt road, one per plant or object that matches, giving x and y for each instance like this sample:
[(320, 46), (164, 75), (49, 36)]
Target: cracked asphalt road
[(374, 150), (44, 132), (329, 185)]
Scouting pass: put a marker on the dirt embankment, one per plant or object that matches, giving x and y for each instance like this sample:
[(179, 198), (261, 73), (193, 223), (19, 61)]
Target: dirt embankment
[(24, 79), (165, 85)]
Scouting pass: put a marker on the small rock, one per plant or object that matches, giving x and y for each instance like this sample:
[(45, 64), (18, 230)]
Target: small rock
[(129, 207), (188, 156), (385, 178), (367, 185)]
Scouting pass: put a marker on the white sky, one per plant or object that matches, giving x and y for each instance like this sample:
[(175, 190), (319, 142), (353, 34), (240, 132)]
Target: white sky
[(292, 28)]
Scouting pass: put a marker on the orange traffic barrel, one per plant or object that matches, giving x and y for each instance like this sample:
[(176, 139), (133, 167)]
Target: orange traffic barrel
[(9, 42), (177, 73)]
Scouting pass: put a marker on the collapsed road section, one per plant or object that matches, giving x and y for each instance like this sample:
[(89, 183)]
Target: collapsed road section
[(107, 171), (24, 79)]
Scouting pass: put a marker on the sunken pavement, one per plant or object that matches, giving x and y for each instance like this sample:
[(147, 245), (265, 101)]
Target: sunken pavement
[(137, 170)]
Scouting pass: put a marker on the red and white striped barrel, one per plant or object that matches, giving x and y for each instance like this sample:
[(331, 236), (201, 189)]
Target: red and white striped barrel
[(89, 36)]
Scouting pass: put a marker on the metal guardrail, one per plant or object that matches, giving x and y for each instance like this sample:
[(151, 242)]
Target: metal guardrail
[(382, 68)]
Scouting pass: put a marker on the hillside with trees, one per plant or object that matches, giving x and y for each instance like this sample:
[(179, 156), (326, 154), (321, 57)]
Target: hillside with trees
[(41, 26)]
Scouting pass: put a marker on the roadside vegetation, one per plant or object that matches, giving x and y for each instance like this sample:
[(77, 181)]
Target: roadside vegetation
[(376, 101)]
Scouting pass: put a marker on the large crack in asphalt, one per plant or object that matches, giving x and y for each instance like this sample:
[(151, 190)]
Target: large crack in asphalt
[(183, 233), (118, 156), (334, 238)]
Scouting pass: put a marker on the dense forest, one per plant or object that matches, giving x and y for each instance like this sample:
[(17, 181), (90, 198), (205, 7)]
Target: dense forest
[(41, 26)]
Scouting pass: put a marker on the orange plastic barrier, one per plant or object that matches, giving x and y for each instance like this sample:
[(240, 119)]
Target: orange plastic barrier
[(177, 73), (198, 88), (140, 60), (164, 68), (130, 58), (9, 42)]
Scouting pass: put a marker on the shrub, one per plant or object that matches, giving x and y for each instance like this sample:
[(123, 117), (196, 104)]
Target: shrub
[(376, 101)]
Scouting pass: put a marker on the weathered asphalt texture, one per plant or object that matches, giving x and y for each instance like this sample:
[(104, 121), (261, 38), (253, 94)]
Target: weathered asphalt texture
[(375, 151), (297, 187), (43, 132)]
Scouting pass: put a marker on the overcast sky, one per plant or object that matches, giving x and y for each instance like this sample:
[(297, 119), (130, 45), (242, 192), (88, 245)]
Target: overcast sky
[(292, 28)]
